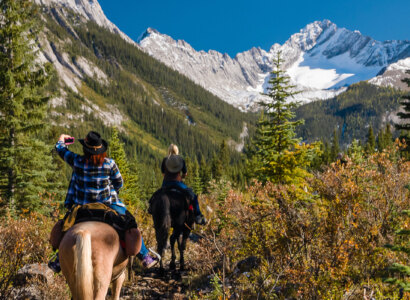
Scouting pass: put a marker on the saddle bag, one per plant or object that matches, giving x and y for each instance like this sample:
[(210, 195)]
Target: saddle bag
[(56, 234)]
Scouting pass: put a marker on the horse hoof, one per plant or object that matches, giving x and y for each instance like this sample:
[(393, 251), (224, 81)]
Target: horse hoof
[(172, 266)]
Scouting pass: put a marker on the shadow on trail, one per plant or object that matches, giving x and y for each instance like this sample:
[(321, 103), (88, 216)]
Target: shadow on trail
[(154, 284)]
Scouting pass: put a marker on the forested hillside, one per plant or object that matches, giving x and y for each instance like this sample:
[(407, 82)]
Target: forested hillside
[(151, 104), (351, 114)]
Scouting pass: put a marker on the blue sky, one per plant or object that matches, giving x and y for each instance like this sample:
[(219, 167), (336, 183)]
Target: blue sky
[(236, 26)]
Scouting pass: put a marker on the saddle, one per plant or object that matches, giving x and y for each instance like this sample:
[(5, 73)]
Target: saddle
[(169, 190), (99, 212)]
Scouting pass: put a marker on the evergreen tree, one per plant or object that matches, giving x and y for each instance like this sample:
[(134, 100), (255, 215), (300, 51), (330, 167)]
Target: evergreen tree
[(401, 272), (404, 116), (204, 173), (384, 138), (335, 148), (220, 162), (224, 155), (278, 156), (197, 182), (326, 154), (26, 166), (130, 192), (371, 141), (190, 171), (381, 141), (216, 168), (388, 136)]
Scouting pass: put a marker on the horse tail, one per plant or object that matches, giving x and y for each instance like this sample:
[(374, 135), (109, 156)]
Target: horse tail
[(162, 220), (84, 267)]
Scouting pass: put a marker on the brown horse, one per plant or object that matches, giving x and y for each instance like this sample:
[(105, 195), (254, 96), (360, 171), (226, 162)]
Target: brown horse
[(91, 258)]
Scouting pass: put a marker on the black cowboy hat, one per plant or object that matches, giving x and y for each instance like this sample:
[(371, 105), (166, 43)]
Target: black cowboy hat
[(93, 143)]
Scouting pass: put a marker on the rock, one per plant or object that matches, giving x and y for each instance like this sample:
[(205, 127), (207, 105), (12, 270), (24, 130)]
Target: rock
[(30, 292), (147, 278), (247, 264), (38, 271), (194, 237)]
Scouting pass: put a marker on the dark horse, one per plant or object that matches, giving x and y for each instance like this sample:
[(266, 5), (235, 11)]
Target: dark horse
[(170, 207)]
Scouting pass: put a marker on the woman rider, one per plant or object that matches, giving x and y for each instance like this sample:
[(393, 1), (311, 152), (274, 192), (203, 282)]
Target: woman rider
[(95, 178), (173, 169)]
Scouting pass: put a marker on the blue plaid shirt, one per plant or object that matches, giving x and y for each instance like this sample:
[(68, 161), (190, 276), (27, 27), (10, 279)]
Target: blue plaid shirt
[(90, 183)]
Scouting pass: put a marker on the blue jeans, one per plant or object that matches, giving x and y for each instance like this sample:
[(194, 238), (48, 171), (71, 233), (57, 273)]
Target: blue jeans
[(144, 251), (182, 185)]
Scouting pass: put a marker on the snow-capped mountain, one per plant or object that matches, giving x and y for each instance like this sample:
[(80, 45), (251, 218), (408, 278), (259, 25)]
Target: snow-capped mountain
[(321, 60), (88, 9), (393, 74)]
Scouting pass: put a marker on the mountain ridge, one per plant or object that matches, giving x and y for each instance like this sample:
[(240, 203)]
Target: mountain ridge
[(321, 59)]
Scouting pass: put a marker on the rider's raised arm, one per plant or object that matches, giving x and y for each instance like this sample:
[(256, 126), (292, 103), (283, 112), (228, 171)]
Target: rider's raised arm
[(63, 151), (115, 177)]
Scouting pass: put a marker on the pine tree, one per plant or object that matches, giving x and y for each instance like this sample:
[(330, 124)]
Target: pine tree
[(326, 154), (335, 148), (384, 138), (197, 182), (381, 141), (224, 155), (371, 141), (279, 156), (401, 271), (26, 166), (388, 136), (204, 173), (131, 192), (404, 115), (190, 171), (216, 168)]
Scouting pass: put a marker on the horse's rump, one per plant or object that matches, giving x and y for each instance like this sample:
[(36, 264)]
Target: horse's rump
[(91, 252)]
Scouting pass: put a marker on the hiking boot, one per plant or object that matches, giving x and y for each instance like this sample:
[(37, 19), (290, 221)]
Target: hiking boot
[(200, 220), (54, 264), (148, 261)]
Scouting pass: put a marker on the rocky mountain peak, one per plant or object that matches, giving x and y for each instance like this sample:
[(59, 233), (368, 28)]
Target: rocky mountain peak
[(88, 9), (321, 60)]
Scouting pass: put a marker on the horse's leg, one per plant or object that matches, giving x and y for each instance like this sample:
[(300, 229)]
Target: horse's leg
[(129, 268), (162, 238), (102, 275), (181, 247), (172, 240), (116, 286), (162, 223)]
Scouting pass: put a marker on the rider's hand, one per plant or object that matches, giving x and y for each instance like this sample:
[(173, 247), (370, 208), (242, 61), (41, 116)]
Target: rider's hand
[(63, 136)]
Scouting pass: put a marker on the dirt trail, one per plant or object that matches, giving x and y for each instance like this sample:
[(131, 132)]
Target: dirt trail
[(151, 285)]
